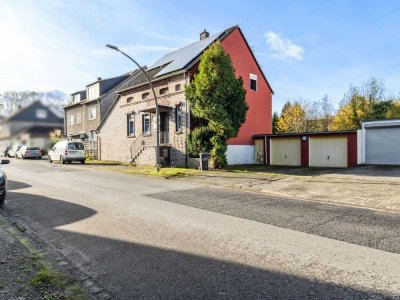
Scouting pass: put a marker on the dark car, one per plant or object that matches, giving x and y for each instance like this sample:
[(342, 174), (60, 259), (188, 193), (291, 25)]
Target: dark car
[(3, 182), (6, 151)]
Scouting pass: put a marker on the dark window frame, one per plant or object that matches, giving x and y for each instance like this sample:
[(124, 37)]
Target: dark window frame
[(144, 117), (253, 87), (178, 118), (163, 91), (129, 99), (130, 119)]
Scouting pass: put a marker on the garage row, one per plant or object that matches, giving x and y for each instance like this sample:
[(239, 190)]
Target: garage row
[(378, 142)]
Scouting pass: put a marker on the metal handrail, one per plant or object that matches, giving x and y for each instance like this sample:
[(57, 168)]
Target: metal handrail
[(134, 142)]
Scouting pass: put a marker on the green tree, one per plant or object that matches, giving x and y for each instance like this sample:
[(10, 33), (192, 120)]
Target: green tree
[(367, 102), (218, 98), (394, 111), (54, 136), (275, 119), (292, 119)]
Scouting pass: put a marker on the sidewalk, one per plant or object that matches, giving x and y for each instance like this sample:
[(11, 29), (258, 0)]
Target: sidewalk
[(27, 273), (368, 187)]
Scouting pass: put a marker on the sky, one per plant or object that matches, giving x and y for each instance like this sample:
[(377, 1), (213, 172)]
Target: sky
[(306, 48)]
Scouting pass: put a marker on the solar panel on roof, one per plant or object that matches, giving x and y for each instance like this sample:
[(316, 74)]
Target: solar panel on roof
[(181, 58)]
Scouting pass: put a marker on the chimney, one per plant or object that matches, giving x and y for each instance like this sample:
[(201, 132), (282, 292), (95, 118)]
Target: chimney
[(98, 78), (204, 35)]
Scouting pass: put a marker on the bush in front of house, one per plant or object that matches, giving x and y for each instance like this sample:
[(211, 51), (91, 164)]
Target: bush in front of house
[(218, 102)]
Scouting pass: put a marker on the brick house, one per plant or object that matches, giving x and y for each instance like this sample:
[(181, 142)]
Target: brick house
[(128, 130)]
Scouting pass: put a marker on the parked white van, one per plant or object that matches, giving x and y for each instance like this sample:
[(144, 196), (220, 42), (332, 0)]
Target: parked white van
[(67, 151)]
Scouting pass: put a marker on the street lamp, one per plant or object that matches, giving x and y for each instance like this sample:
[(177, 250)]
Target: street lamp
[(155, 100)]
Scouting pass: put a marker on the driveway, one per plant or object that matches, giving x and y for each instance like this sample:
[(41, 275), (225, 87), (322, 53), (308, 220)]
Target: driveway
[(373, 187), (140, 237)]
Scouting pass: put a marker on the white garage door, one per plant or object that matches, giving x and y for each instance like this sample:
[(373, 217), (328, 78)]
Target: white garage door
[(382, 146), (285, 151), (328, 152)]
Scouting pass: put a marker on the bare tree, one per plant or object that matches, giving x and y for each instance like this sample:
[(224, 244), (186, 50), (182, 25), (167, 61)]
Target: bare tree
[(12, 100)]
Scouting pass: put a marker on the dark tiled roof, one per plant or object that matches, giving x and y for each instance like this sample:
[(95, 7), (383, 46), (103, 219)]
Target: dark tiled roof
[(139, 79), (107, 85), (176, 61), (184, 57)]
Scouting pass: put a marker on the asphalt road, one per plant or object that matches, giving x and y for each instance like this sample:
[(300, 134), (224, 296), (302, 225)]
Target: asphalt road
[(147, 238)]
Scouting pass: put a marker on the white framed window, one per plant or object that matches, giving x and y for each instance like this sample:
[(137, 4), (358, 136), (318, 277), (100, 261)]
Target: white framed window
[(131, 124), (253, 82), (41, 113), (92, 113), (78, 118), (71, 119), (146, 127), (93, 91), (76, 98)]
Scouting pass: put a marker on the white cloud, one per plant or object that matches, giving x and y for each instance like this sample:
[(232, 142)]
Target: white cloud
[(282, 47), (134, 50)]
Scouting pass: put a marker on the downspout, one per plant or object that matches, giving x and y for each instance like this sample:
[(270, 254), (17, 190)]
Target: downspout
[(65, 124), (97, 139), (98, 146), (187, 123)]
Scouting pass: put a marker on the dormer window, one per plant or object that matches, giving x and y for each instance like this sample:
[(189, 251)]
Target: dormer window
[(41, 114), (145, 96), (93, 91), (163, 91), (76, 98)]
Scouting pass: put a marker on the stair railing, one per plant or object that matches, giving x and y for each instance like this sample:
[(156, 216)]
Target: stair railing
[(136, 145)]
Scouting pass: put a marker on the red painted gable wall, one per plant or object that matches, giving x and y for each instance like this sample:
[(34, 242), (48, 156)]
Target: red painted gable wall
[(259, 115)]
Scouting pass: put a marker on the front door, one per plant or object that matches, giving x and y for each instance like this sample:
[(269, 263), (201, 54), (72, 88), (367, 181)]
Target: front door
[(164, 128)]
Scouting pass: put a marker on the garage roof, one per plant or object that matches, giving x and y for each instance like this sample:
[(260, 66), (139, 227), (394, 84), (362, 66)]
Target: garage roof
[(381, 123), (304, 133)]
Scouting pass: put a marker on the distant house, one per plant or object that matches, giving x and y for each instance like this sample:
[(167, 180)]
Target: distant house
[(87, 107), (30, 125), (128, 130)]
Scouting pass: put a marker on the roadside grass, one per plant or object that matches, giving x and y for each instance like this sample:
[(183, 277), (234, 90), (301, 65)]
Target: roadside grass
[(274, 170), (46, 276), (105, 162), (152, 171), (230, 171), (46, 280)]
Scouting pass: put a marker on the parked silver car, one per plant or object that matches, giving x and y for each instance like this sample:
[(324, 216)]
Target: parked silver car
[(29, 152)]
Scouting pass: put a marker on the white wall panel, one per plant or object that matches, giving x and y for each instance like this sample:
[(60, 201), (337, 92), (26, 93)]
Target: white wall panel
[(240, 154)]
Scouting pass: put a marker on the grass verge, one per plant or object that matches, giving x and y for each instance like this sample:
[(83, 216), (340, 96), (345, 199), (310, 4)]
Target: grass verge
[(152, 171), (55, 285)]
